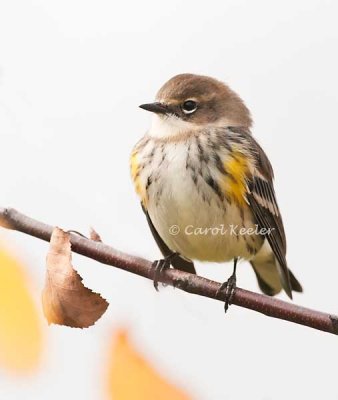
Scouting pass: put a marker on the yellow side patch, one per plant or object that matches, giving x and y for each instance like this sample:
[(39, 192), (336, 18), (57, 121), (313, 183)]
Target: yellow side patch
[(135, 174), (235, 183), (134, 165)]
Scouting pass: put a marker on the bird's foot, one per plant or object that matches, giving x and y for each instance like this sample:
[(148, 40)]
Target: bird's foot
[(227, 291), (159, 266)]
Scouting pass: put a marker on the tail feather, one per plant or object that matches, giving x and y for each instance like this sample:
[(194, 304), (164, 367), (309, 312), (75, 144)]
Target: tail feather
[(296, 286), (266, 269), (264, 286)]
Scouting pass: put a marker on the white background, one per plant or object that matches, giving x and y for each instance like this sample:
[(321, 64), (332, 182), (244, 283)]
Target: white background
[(72, 74)]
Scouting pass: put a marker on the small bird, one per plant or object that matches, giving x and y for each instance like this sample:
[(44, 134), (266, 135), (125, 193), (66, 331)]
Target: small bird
[(206, 185)]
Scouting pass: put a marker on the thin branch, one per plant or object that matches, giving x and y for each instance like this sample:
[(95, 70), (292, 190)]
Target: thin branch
[(12, 219)]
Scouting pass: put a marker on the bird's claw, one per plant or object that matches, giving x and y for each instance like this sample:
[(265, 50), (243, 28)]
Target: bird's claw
[(159, 266), (227, 291)]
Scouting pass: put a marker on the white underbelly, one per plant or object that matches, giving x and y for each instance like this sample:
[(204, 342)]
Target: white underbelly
[(193, 221)]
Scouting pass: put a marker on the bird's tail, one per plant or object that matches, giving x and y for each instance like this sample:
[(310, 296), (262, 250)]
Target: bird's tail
[(266, 270)]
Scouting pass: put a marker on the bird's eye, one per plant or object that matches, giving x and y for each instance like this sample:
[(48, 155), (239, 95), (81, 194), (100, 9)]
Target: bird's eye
[(189, 106)]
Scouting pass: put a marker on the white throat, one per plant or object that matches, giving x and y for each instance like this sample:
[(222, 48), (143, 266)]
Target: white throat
[(162, 127), (166, 127)]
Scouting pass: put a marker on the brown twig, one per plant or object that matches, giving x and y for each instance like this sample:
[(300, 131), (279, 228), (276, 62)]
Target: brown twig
[(12, 219)]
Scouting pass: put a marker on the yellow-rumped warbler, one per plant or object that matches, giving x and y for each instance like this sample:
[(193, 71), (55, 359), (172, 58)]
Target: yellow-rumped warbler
[(206, 186)]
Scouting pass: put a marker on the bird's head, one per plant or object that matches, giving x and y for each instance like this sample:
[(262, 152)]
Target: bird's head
[(188, 102)]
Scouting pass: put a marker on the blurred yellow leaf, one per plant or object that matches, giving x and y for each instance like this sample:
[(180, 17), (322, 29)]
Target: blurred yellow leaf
[(131, 377), (20, 326)]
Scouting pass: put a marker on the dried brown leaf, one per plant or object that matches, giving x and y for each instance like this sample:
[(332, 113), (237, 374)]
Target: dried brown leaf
[(66, 301), (94, 235)]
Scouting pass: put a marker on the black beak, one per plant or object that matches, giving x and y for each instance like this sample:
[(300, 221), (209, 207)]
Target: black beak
[(158, 108)]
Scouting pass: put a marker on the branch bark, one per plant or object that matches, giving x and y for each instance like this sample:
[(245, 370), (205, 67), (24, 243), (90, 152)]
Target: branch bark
[(272, 307)]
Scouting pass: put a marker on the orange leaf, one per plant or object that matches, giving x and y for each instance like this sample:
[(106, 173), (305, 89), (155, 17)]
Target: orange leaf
[(66, 301), (20, 326), (132, 377)]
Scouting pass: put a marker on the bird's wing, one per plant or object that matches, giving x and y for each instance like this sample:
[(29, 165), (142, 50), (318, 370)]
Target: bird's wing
[(177, 262), (262, 200)]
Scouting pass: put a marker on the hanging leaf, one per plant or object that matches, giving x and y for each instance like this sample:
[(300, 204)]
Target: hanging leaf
[(66, 301)]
